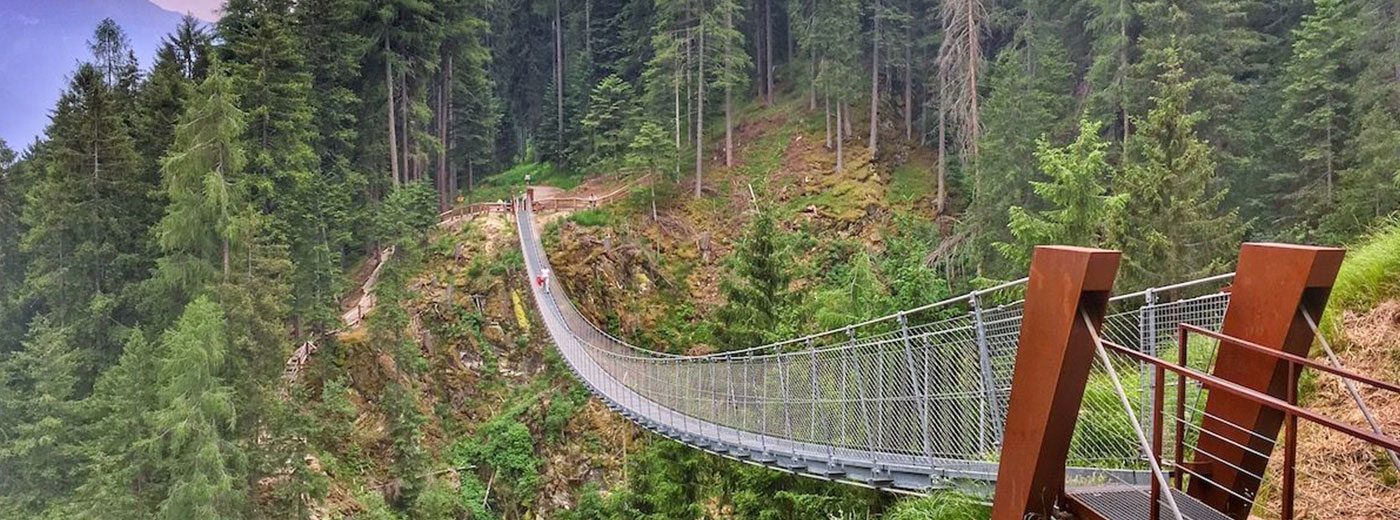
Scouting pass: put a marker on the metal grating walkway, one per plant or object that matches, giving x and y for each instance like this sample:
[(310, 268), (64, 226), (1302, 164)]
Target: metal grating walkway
[(1131, 503)]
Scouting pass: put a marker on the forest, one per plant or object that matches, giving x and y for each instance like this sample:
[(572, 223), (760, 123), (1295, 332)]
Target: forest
[(182, 226)]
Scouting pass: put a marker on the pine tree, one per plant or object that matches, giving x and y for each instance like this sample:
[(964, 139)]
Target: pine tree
[(1175, 227), (196, 418), (1315, 113), (1078, 209)]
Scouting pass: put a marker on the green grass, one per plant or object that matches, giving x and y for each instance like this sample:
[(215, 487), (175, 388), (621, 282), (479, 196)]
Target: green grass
[(941, 506), (507, 183), (592, 218), (1369, 275), (909, 182), (1371, 272)]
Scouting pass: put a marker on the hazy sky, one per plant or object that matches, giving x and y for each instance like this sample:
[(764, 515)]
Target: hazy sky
[(204, 9)]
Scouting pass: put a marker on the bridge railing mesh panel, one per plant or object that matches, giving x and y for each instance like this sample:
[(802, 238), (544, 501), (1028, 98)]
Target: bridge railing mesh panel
[(926, 387)]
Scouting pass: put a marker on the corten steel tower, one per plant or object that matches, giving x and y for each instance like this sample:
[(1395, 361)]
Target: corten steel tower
[(1273, 284), (1052, 368)]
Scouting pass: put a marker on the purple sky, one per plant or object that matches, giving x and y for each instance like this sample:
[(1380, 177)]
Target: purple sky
[(204, 9)]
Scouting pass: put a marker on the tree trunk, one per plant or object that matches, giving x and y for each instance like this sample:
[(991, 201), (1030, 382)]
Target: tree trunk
[(408, 174), (827, 102), (451, 132), (845, 120), (678, 111), (940, 203), (728, 102), (393, 132), (443, 195), (875, 82), (728, 130), (840, 161), (700, 111), (768, 48), (759, 67), (558, 75), (909, 77)]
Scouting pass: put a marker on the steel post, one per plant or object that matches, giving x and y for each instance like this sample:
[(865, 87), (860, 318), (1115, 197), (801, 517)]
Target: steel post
[(1272, 282), (916, 390), (1053, 359), (986, 420)]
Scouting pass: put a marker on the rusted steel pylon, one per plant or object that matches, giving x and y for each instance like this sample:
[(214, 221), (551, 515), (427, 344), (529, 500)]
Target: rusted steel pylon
[(1052, 368), (1272, 282)]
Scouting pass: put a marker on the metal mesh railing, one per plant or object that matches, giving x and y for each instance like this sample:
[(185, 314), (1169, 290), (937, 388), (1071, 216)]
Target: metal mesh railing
[(927, 387)]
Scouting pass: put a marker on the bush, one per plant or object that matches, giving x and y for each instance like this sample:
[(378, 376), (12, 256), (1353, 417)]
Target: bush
[(942, 506)]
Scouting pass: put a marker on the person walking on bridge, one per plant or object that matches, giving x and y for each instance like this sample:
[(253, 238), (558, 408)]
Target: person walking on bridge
[(544, 279)]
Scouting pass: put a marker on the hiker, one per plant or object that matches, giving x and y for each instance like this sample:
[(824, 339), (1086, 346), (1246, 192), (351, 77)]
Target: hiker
[(544, 276)]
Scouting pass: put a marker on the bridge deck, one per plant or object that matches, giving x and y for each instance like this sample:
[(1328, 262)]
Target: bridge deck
[(1131, 503), (619, 376)]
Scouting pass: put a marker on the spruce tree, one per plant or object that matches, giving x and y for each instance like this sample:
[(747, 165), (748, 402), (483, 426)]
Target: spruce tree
[(1029, 100), (756, 291), (610, 119), (284, 179), (86, 219), (1174, 226), (334, 48), (1314, 116), (1077, 207), (42, 453)]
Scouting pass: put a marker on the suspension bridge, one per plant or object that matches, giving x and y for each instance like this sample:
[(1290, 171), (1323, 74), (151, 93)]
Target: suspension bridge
[(1047, 394)]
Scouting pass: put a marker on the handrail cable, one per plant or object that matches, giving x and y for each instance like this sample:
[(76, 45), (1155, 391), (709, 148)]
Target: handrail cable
[(1348, 383), (1137, 425)]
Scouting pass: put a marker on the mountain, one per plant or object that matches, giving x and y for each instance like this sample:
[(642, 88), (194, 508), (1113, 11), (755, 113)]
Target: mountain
[(42, 41)]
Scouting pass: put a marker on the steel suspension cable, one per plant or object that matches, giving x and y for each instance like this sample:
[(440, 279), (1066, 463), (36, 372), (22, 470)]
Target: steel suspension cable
[(1137, 425)]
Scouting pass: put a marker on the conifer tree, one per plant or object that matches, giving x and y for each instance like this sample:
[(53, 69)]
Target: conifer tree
[(42, 454), (129, 478), (196, 418), (835, 26), (202, 217), (86, 219), (330, 35), (284, 181), (731, 62), (1108, 26), (1175, 228), (757, 293), (1078, 209), (610, 118), (1028, 100), (1315, 112)]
